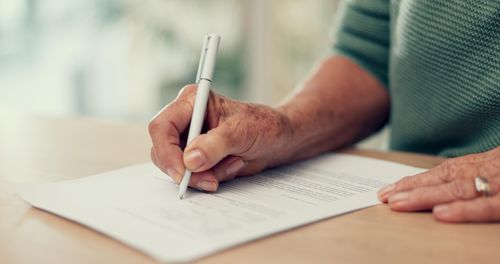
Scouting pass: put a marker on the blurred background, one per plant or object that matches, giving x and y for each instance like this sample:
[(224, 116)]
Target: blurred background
[(125, 59)]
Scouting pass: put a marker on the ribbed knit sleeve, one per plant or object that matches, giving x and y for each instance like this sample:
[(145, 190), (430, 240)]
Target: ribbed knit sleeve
[(362, 33)]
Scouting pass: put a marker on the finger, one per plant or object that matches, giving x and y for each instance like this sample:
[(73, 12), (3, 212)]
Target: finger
[(482, 209), (461, 167), (207, 150), (251, 168), (209, 180), (152, 155), (204, 181), (166, 129), (446, 172), (154, 159), (427, 197), (228, 168)]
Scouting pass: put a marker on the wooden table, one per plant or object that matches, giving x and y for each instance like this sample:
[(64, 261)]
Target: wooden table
[(36, 149)]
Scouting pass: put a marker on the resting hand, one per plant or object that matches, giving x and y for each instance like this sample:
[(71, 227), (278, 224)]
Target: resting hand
[(241, 139), (450, 191)]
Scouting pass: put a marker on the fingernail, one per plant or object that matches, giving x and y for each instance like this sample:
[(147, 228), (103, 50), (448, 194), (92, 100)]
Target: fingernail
[(207, 186), (174, 174), (234, 167), (384, 192), (441, 210), (195, 159), (398, 197)]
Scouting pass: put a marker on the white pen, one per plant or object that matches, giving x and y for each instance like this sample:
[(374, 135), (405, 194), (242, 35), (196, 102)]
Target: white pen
[(203, 79)]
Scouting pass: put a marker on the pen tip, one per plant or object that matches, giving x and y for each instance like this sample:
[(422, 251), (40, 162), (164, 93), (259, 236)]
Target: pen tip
[(181, 196)]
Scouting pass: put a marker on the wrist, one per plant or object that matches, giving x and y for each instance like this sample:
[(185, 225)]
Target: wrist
[(288, 143)]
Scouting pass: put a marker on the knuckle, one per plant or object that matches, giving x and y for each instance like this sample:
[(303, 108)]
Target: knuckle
[(216, 109), (405, 183), (445, 170), (459, 190), (169, 113), (188, 90), (154, 125), (219, 173), (171, 140), (252, 167)]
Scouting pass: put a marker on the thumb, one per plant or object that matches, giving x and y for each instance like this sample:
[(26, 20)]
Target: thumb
[(206, 150)]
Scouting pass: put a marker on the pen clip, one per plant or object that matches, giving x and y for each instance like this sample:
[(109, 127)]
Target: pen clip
[(208, 57), (203, 54)]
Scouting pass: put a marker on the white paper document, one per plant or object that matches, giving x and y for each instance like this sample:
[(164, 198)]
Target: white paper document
[(139, 206)]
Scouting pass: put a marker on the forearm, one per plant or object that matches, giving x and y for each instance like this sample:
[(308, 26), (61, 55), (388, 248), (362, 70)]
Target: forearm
[(339, 104)]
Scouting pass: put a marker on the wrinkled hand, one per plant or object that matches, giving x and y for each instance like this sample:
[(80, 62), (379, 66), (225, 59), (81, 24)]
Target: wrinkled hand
[(449, 190), (241, 139)]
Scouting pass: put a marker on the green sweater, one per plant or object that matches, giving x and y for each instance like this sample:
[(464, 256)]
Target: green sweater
[(440, 61)]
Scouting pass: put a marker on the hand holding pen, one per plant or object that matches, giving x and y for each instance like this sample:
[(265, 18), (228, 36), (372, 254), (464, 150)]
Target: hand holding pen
[(241, 138)]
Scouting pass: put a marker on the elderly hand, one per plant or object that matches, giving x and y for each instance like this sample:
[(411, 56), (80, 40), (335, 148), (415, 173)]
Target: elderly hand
[(242, 139), (450, 191)]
